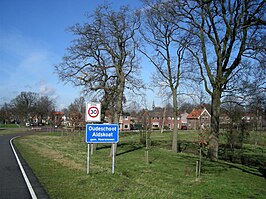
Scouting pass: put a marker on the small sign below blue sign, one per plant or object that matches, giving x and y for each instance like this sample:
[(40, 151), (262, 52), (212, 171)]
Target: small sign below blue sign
[(102, 133)]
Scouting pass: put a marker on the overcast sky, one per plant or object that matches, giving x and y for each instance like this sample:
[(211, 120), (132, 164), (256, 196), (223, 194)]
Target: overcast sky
[(33, 39)]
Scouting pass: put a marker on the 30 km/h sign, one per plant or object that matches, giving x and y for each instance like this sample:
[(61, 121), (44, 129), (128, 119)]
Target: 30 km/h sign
[(93, 112)]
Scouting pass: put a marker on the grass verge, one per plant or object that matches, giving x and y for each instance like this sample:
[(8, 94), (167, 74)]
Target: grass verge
[(60, 164), (5, 131)]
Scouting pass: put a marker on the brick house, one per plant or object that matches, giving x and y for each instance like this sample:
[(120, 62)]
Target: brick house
[(156, 118), (163, 117), (198, 117), (183, 120), (124, 121)]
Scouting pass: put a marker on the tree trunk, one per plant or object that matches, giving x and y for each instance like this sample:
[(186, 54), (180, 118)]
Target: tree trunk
[(118, 110), (175, 134), (214, 137)]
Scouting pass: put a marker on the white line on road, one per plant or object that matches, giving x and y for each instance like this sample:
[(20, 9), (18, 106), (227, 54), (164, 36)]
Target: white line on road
[(32, 193)]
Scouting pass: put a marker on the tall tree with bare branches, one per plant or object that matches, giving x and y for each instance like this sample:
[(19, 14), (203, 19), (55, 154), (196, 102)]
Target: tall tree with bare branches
[(102, 59), (166, 54), (224, 33)]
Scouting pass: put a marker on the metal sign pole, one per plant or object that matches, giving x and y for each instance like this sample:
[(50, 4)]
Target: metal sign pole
[(113, 158), (101, 133), (92, 148), (88, 159), (92, 114)]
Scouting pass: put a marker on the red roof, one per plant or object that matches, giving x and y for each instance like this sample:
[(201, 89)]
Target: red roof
[(58, 113), (195, 114)]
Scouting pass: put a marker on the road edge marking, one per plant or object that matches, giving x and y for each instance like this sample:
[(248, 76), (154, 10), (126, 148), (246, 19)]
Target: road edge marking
[(30, 188)]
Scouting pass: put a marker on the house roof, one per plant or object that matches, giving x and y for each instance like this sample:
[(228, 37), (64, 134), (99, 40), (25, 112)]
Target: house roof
[(196, 113), (58, 113)]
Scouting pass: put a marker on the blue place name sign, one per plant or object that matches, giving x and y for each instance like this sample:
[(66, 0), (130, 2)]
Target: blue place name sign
[(102, 133)]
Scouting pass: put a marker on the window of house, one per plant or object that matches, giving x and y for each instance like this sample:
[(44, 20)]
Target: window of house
[(204, 118), (155, 124), (126, 126)]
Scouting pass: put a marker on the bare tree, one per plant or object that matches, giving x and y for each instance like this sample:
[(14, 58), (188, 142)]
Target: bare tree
[(102, 59), (44, 107), (76, 111), (167, 54), (223, 34), (5, 113), (29, 106), (24, 105)]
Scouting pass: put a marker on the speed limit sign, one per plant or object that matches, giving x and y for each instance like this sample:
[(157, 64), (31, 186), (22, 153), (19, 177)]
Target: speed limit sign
[(93, 112)]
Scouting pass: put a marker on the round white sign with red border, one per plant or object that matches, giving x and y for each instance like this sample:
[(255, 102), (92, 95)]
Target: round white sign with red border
[(93, 112)]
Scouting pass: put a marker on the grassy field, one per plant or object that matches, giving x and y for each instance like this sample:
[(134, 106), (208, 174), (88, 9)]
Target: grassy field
[(60, 164), (11, 129), (9, 125)]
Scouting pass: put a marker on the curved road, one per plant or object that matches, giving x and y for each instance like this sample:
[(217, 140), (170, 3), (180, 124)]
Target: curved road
[(12, 182)]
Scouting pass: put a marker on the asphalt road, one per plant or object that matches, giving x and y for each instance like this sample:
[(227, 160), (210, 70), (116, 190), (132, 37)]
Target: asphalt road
[(12, 183)]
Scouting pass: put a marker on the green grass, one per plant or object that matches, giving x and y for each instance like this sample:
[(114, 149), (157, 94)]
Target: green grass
[(9, 125), (11, 130), (257, 138), (60, 164)]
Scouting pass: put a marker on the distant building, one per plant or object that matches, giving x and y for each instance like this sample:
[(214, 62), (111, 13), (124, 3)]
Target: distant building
[(224, 119), (198, 117), (155, 118), (252, 121), (255, 121), (124, 122), (57, 118), (159, 118), (183, 120)]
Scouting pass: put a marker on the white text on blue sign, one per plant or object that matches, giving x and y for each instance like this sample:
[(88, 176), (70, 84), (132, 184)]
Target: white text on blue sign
[(102, 133)]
